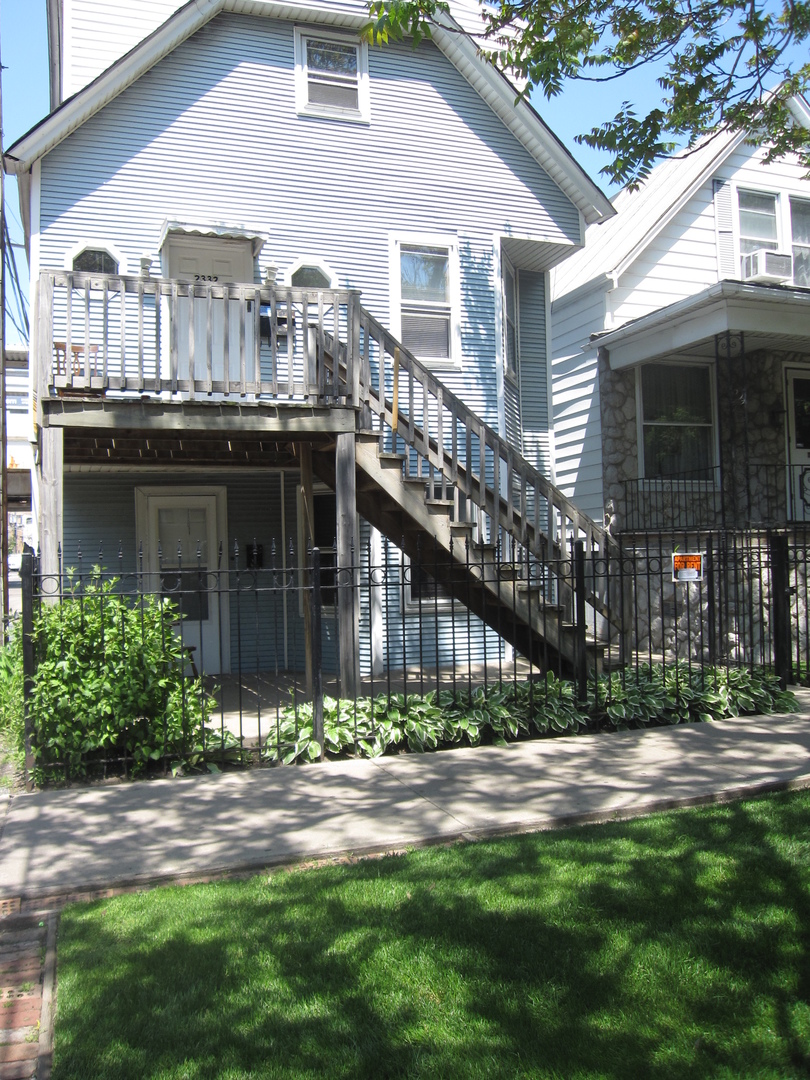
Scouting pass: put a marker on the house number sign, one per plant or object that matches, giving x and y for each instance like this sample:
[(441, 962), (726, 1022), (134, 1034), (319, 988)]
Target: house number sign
[(687, 566)]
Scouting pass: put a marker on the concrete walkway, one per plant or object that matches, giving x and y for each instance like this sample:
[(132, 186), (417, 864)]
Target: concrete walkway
[(58, 843)]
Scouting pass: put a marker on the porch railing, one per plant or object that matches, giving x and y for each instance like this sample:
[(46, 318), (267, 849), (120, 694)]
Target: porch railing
[(99, 333), (742, 495)]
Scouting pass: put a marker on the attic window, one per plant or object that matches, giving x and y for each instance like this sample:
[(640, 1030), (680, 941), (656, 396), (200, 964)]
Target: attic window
[(331, 76), (95, 261)]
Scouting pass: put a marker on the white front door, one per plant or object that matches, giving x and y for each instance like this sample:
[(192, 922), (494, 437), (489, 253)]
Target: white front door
[(182, 534), (798, 443), (208, 260)]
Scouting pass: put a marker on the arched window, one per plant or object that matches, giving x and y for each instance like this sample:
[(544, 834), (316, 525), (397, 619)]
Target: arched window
[(95, 261)]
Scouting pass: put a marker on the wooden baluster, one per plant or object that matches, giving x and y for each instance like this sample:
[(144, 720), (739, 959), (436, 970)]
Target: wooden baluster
[(209, 339), (274, 346), (122, 292), (174, 319), (257, 339), (86, 365), (140, 336), (155, 291), (69, 331), (105, 332), (192, 358), (290, 345), (243, 389)]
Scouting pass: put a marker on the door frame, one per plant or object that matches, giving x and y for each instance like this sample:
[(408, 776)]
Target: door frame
[(798, 472), (143, 512)]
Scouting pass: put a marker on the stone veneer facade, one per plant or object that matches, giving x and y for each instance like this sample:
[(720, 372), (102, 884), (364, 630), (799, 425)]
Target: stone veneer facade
[(750, 438)]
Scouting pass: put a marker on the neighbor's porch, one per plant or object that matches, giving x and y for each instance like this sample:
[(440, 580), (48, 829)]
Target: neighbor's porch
[(705, 410)]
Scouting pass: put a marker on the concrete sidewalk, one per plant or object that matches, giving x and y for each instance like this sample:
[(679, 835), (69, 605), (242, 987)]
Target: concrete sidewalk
[(85, 839)]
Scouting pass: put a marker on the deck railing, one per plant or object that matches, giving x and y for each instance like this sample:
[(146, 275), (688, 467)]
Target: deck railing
[(460, 457), (101, 333)]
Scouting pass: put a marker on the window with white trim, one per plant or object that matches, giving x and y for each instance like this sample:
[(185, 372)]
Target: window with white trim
[(759, 221), (677, 421), (95, 261), (311, 272), (331, 76), (800, 233), (425, 274)]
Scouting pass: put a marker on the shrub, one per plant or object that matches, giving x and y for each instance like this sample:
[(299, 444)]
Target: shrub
[(650, 697), (110, 682)]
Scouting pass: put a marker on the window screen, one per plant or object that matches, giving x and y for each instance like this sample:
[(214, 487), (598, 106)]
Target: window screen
[(332, 74), (425, 292), (677, 419)]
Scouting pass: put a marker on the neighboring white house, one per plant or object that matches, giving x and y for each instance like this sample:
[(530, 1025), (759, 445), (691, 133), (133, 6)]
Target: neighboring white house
[(681, 346), (201, 160)]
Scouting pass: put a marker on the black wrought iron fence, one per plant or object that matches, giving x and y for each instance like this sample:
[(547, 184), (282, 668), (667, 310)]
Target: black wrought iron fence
[(197, 663)]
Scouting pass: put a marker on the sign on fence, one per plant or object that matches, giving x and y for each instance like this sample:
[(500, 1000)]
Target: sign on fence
[(687, 566)]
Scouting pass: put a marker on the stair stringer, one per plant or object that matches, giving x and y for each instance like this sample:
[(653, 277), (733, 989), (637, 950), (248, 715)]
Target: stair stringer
[(399, 511)]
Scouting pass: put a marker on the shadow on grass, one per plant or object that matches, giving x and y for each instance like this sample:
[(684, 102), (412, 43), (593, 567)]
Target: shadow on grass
[(673, 946)]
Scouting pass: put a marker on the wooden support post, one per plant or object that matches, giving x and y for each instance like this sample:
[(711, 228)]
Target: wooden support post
[(308, 510), (49, 477), (347, 560)]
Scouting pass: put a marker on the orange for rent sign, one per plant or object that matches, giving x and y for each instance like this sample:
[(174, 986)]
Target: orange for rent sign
[(687, 566)]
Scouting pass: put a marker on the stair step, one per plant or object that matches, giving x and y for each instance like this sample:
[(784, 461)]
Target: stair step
[(439, 506), (391, 460)]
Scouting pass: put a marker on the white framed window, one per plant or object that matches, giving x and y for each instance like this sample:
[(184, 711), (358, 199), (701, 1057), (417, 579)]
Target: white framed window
[(800, 236), (677, 431), (331, 76), (311, 272), (425, 297), (95, 257), (758, 220)]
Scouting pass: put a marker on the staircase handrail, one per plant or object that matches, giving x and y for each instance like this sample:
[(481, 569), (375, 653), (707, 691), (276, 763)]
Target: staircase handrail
[(565, 523)]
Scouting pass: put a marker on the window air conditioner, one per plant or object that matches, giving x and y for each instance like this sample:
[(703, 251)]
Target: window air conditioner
[(767, 266)]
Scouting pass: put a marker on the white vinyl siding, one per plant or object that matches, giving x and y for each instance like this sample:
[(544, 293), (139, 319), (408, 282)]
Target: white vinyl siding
[(211, 133), (575, 396)]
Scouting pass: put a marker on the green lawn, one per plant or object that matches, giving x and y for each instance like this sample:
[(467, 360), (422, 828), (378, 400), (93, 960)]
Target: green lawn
[(674, 946)]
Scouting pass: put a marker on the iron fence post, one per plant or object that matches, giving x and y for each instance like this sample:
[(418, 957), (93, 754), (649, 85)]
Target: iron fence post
[(581, 660), (780, 606), (317, 667), (27, 576)]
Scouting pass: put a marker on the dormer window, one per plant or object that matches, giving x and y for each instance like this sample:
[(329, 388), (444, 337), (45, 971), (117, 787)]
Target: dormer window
[(95, 261), (331, 76)]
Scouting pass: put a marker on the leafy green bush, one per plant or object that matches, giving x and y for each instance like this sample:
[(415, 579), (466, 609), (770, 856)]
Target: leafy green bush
[(502, 713), (110, 681), (11, 697)]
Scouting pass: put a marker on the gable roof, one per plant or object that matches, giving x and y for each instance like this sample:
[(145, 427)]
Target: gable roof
[(642, 214), (457, 45)]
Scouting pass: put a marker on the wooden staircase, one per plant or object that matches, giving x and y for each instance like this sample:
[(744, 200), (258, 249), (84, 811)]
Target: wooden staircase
[(451, 493)]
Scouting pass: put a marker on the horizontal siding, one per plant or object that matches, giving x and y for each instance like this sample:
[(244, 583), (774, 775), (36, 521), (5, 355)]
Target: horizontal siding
[(575, 395), (210, 134), (534, 369)]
